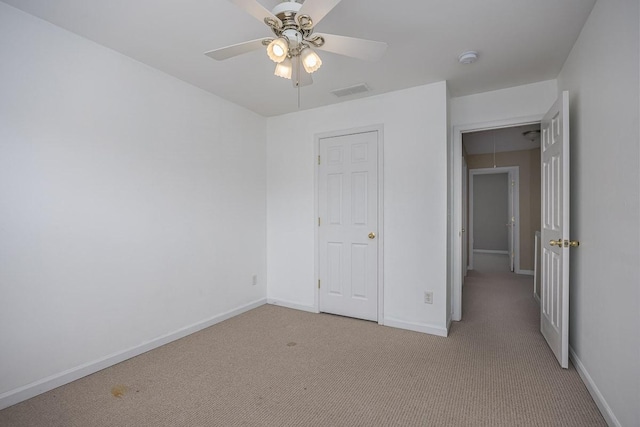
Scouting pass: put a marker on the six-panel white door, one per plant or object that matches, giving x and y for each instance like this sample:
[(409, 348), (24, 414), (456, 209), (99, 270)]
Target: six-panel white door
[(554, 307), (348, 225)]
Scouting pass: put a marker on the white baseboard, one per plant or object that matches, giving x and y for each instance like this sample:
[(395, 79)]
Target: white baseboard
[(290, 304), (28, 391), (602, 404), (417, 327), (525, 272)]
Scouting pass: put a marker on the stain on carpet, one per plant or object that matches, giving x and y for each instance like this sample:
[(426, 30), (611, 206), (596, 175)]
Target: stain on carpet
[(119, 390)]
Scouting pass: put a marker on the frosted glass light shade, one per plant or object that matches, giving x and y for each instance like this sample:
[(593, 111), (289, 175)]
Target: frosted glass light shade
[(284, 69), (310, 60), (278, 50)]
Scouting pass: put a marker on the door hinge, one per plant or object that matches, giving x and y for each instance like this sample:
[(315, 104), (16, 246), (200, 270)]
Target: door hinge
[(318, 283), (318, 221), (318, 159), (513, 183)]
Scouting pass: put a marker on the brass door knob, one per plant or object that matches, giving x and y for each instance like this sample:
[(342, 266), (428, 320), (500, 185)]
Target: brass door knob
[(372, 235), (566, 243)]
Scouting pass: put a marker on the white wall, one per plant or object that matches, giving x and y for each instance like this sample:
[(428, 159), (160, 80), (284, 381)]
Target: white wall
[(601, 75), (415, 201), (499, 105), (132, 205)]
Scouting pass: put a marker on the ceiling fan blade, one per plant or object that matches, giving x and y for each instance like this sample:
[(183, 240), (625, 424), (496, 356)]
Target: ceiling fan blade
[(368, 50), (299, 77), (317, 9), (255, 9), (235, 50)]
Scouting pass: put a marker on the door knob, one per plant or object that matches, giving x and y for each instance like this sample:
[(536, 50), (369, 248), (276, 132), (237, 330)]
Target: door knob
[(557, 243), (574, 243), (372, 235)]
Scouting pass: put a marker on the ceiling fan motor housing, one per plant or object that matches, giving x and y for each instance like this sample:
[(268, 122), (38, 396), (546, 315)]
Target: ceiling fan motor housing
[(293, 36), (290, 29), (286, 6)]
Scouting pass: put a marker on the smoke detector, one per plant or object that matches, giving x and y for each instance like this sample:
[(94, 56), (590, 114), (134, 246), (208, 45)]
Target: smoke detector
[(468, 57)]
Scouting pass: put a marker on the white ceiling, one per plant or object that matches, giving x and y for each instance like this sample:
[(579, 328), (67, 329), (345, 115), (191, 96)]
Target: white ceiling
[(519, 42), (504, 139)]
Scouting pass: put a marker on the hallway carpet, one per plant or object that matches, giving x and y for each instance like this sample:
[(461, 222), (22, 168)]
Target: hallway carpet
[(275, 366)]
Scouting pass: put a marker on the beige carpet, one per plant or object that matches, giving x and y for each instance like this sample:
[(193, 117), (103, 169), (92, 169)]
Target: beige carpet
[(274, 366)]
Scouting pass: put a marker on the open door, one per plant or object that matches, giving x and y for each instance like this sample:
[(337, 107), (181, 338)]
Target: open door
[(554, 307)]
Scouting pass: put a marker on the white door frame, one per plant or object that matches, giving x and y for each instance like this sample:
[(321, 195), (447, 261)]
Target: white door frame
[(513, 172), (380, 237), (457, 226), (465, 220)]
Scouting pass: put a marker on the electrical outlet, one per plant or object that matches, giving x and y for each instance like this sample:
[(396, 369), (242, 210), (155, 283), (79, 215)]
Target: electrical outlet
[(428, 297), (254, 280)]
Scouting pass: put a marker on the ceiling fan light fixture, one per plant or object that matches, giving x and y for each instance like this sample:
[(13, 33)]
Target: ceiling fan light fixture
[(278, 50), (284, 69), (293, 23), (310, 60)]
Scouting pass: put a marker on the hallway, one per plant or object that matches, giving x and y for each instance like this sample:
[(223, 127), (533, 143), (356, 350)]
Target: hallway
[(501, 326)]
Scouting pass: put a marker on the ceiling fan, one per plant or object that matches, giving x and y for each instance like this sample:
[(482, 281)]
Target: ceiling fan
[(293, 23)]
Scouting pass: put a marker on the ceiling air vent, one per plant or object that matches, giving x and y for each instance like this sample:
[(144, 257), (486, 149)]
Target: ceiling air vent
[(352, 90)]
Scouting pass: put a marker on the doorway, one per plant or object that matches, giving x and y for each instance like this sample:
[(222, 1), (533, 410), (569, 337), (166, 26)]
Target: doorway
[(494, 219), (495, 145)]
